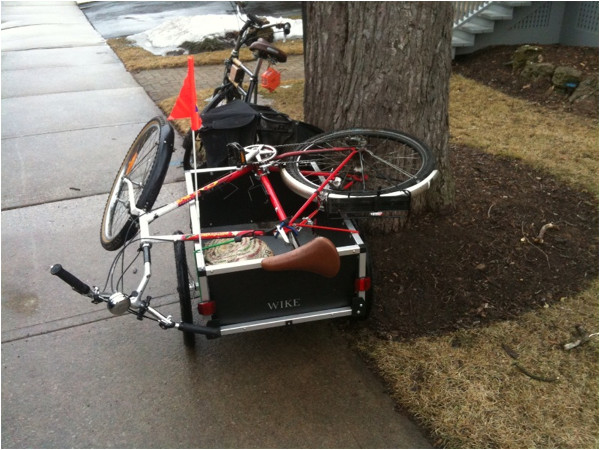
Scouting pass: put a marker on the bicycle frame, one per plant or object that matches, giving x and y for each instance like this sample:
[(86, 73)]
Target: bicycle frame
[(287, 226), (233, 63), (261, 172)]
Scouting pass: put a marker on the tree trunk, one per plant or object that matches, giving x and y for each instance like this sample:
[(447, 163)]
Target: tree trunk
[(383, 65)]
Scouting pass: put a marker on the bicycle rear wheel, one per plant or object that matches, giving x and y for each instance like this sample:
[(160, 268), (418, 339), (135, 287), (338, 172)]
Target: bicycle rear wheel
[(386, 163), (145, 165)]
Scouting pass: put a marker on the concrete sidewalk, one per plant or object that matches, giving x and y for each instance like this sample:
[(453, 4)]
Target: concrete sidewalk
[(75, 376), (61, 81)]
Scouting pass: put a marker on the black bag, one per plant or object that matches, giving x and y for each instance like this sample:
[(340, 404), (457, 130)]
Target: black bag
[(276, 128), (234, 122), (305, 131), (248, 124)]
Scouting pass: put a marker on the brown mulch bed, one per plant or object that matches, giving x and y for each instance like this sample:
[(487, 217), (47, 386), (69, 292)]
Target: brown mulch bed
[(492, 67), (480, 262)]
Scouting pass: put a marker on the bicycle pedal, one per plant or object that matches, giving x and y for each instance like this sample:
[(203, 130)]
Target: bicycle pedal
[(236, 154)]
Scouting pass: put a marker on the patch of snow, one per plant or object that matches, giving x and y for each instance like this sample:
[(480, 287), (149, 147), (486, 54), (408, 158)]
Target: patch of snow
[(169, 35)]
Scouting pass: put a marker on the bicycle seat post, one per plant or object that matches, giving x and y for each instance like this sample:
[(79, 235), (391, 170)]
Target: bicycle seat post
[(253, 87)]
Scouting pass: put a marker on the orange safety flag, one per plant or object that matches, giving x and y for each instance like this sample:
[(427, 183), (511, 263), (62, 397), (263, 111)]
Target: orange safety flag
[(185, 106)]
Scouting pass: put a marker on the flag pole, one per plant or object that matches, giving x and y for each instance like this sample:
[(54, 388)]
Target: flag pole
[(185, 108), (196, 177), (193, 121)]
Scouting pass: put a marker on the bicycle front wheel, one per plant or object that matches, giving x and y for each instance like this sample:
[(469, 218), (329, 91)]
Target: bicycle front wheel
[(145, 166), (386, 163)]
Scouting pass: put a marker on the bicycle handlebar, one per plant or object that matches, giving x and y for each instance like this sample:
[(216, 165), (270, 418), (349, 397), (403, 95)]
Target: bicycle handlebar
[(255, 19), (77, 285), (257, 22), (165, 322)]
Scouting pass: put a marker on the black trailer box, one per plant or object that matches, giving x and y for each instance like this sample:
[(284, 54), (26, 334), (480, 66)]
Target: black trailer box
[(247, 297)]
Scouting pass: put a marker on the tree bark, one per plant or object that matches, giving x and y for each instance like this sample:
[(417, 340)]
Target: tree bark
[(383, 65)]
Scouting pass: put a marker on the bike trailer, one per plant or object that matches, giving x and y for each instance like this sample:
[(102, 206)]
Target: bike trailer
[(236, 291)]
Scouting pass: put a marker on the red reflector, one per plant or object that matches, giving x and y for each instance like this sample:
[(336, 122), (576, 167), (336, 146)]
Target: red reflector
[(362, 284), (207, 308), (270, 79)]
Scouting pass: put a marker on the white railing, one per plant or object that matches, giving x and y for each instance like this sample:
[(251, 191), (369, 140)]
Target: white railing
[(463, 11)]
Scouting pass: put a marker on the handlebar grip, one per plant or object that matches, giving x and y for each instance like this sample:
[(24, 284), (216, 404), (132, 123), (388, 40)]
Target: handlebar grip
[(77, 285), (183, 326)]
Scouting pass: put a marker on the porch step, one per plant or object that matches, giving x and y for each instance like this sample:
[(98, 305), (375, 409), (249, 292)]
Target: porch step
[(477, 25), (479, 20), (462, 39), (497, 12)]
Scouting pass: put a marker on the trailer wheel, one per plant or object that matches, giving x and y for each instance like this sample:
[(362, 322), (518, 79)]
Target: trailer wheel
[(183, 289)]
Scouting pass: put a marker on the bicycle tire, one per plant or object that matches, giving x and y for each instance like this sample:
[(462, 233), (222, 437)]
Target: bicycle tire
[(146, 165), (389, 163), (183, 289)]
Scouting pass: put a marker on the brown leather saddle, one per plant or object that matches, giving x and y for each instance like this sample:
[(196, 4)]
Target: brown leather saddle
[(319, 256), (265, 50)]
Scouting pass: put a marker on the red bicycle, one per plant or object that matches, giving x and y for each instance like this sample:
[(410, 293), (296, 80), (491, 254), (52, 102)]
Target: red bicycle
[(290, 209)]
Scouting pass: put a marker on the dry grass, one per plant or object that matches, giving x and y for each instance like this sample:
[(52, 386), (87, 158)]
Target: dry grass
[(136, 58), (288, 98), (467, 391), (463, 387), (558, 142)]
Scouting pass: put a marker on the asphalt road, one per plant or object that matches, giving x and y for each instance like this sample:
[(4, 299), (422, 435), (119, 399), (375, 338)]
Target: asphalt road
[(118, 18)]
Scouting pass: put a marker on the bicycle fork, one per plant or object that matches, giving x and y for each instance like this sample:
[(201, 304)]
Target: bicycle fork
[(119, 303)]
